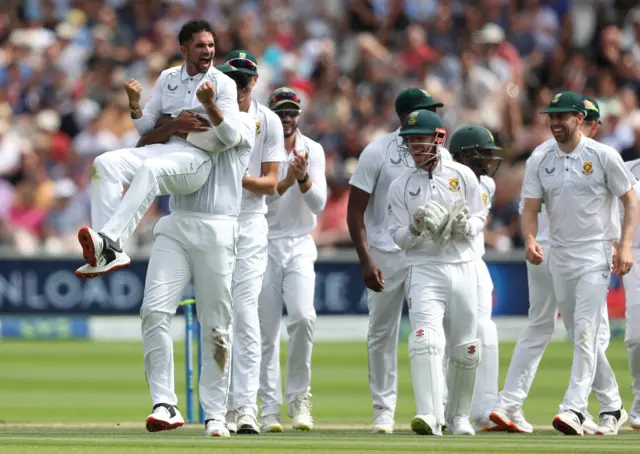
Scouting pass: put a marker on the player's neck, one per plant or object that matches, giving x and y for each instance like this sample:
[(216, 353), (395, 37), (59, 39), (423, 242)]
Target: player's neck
[(244, 106), (290, 142), (570, 145)]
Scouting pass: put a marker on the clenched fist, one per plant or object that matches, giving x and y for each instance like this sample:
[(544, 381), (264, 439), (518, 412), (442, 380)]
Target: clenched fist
[(133, 89), (206, 93)]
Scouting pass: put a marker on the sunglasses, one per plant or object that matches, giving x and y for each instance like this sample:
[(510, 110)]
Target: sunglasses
[(243, 63), (287, 113), (286, 96)]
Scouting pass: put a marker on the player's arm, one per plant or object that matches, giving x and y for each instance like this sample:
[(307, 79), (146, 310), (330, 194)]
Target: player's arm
[(225, 104), (273, 155), (477, 215), (267, 184), (400, 220), (532, 192), (314, 184), (166, 126), (145, 119)]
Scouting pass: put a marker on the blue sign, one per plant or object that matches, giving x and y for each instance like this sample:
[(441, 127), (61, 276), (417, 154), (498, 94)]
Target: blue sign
[(44, 327), (39, 287)]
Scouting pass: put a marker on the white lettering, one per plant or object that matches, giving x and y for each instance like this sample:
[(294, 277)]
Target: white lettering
[(95, 291), (31, 297), (11, 289), (62, 289), (126, 290)]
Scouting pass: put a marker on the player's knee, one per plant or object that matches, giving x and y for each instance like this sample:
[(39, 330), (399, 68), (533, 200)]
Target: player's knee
[(154, 319), (426, 341), (466, 355), (151, 167), (584, 335), (106, 164), (305, 321)]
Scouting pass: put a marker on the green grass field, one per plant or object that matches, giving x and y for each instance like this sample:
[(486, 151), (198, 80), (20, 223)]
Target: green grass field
[(92, 397)]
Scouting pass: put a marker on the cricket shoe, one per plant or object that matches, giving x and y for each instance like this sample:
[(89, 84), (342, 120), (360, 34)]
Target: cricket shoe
[(216, 428), (426, 425), (610, 423), (164, 417), (300, 412), (103, 256), (589, 425), (461, 426), (271, 424), (382, 421), (634, 421), (486, 425), (568, 423), (513, 422), (247, 424), (231, 418)]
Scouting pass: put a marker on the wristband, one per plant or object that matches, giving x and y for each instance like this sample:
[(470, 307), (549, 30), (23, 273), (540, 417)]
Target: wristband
[(305, 179)]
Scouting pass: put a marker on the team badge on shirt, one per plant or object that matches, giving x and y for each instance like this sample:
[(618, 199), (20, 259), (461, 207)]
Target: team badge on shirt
[(485, 198), (257, 127), (454, 184), (587, 168)]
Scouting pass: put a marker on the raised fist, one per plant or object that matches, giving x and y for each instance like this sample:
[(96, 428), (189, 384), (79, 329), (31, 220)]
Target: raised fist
[(206, 93), (133, 89)]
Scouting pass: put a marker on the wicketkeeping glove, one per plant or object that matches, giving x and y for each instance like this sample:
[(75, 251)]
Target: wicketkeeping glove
[(435, 219), (457, 225)]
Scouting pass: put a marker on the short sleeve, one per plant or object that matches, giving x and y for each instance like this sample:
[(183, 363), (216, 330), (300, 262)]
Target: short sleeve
[(368, 170), (619, 178)]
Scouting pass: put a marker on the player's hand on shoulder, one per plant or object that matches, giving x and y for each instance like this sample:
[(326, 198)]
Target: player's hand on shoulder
[(206, 93), (134, 90)]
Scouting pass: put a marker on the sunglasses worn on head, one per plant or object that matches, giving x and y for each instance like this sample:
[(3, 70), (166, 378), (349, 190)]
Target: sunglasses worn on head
[(287, 113), (243, 63), (286, 96)]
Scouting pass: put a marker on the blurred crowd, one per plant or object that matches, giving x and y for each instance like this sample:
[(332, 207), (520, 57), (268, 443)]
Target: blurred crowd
[(493, 62)]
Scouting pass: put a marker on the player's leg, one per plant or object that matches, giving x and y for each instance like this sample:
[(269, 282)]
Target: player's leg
[(270, 314), (464, 349), (486, 391), (212, 255), (632, 334), (298, 291), (385, 311), (183, 170), (247, 282), (167, 275), (543, 312)]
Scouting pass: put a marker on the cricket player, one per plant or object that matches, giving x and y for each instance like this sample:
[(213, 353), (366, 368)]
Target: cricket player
[(290, 276), (383, 263), (260, 179), (543, 313), (631, 283), (436, 216), (198, 241), (579, 180), (181, 166), (473, 146)]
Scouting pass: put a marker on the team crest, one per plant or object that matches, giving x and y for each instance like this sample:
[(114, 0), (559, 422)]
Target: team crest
[(556, 98), (412, 119), (257, 127), (242, 55), (590, 106), (587, 168), (490, 135), (454, 184), (485, 198)]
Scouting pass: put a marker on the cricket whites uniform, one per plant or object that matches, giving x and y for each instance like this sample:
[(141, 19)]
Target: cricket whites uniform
[(177, 167), (486, 392), (631, 283), (442, 289), (378, 165), (198, 241), (579, 190), (543, 314), (290, 280), (251, 263)]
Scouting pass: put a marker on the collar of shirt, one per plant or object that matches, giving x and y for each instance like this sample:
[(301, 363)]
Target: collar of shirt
[(253, 108), (575, 153), (184, 76)]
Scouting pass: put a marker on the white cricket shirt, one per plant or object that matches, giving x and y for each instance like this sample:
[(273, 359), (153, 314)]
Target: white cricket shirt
[(451, 181), (542, 237), (634, 168), (269, 147), (580, 191), (221, 194), (378, 165), (294, 213)]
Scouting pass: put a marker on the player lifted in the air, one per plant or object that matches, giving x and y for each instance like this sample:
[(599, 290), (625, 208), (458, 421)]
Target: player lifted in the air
[(474, 146), (437, 216)]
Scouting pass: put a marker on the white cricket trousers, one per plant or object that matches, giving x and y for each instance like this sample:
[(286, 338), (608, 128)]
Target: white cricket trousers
[(486, 390), (160, 169), (580, 284), (251, 263), (631, 283), (542, 317), (290, 280), (199, 247), (385, 312)]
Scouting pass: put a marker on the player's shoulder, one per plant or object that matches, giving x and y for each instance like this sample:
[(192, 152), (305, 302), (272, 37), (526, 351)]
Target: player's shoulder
[(402, 179), (488, 183), (543, 149), (172, 73), (600, 149), (633, 165), (460, 169), (268, 114), (381, 143), (312, 145), (445, 154)]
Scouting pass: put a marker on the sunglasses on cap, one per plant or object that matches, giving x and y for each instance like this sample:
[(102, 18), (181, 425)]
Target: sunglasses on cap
[(243, 63), (291, 113), (285, 96)]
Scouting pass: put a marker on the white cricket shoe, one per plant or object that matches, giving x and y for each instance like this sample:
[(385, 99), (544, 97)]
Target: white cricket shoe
[(589, 425), (519, 423), (164, 417), (610, 425), (247, 424), (101, 254), (382, 421), (568, 423), (271, 424), (461, 426), (634, 421), (231, 418), (426, 425), (216, 428), (300, 412), (92, 245)]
